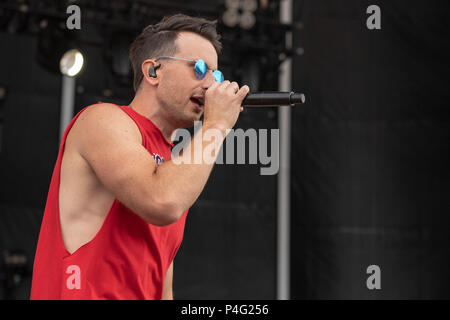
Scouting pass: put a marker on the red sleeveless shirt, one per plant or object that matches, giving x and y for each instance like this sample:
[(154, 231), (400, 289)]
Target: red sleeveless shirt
[(128, 257)]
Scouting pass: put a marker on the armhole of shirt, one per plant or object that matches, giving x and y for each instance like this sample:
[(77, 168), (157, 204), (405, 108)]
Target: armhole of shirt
[(141, 130)]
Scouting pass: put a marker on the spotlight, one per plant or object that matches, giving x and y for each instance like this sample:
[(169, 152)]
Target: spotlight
[(230, 17), (249, 5), (71, 63), (247, 20), (232, 4), (240, 13)]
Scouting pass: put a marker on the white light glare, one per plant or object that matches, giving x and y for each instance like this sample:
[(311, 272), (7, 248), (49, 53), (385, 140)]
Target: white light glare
[(71, 63)]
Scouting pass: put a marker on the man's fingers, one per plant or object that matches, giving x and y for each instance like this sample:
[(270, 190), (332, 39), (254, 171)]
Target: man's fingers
[(214, 85), (234, 86), (243, 91), (225, 84)]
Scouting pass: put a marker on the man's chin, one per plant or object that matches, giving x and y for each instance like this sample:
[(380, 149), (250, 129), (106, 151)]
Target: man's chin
[(190, 123), (197, 117)]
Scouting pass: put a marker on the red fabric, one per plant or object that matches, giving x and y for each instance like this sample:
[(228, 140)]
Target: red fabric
[(127, 259)]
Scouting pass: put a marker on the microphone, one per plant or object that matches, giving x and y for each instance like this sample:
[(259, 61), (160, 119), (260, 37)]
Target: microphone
[(273, 99)]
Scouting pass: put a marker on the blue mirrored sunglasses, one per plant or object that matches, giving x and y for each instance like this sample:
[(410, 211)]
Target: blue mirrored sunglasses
[(200, 68)]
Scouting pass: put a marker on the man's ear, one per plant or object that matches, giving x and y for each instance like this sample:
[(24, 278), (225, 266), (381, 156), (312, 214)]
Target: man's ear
[(149, 72)]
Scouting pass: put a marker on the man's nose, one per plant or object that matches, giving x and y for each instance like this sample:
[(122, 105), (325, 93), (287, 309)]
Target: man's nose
[(208, 80)]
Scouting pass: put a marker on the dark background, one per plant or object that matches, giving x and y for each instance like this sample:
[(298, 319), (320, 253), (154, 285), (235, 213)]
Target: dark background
[(370, 149), (370, 153)]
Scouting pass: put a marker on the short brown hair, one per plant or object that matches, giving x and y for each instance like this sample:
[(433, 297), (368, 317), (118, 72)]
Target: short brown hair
[(159, 39)]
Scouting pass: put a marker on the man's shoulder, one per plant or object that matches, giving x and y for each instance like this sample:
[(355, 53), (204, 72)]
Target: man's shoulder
[(105, 119), (102, 110), (105, 114)]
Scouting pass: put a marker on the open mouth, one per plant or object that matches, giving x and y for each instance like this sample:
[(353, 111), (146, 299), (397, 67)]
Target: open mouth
[(198, 100)]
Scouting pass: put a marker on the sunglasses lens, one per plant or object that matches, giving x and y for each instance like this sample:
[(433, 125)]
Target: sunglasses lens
[(200, 69), (218, 76)]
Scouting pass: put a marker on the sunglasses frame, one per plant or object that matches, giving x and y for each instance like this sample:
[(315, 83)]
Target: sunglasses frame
[(200, 68)]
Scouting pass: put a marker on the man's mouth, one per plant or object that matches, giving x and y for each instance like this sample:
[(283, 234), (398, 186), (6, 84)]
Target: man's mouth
[(198, 100)]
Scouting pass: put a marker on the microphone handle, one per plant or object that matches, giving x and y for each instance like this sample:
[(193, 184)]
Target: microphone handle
[(273, 99)]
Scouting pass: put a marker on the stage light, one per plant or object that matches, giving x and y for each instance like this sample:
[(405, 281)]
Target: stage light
[(230, 18), (247, 20), (71, 63), (240, 13)]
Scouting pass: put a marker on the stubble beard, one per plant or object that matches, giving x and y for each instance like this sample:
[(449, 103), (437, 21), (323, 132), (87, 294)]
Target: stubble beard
[(184, 118)]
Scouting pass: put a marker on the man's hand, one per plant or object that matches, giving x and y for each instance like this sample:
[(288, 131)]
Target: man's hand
[(223, 104)]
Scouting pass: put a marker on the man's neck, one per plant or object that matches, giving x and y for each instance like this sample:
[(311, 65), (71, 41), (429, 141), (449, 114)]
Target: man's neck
[(152, 113)]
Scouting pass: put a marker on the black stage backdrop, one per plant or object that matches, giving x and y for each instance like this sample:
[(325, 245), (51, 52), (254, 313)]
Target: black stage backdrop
[(371, 150)]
